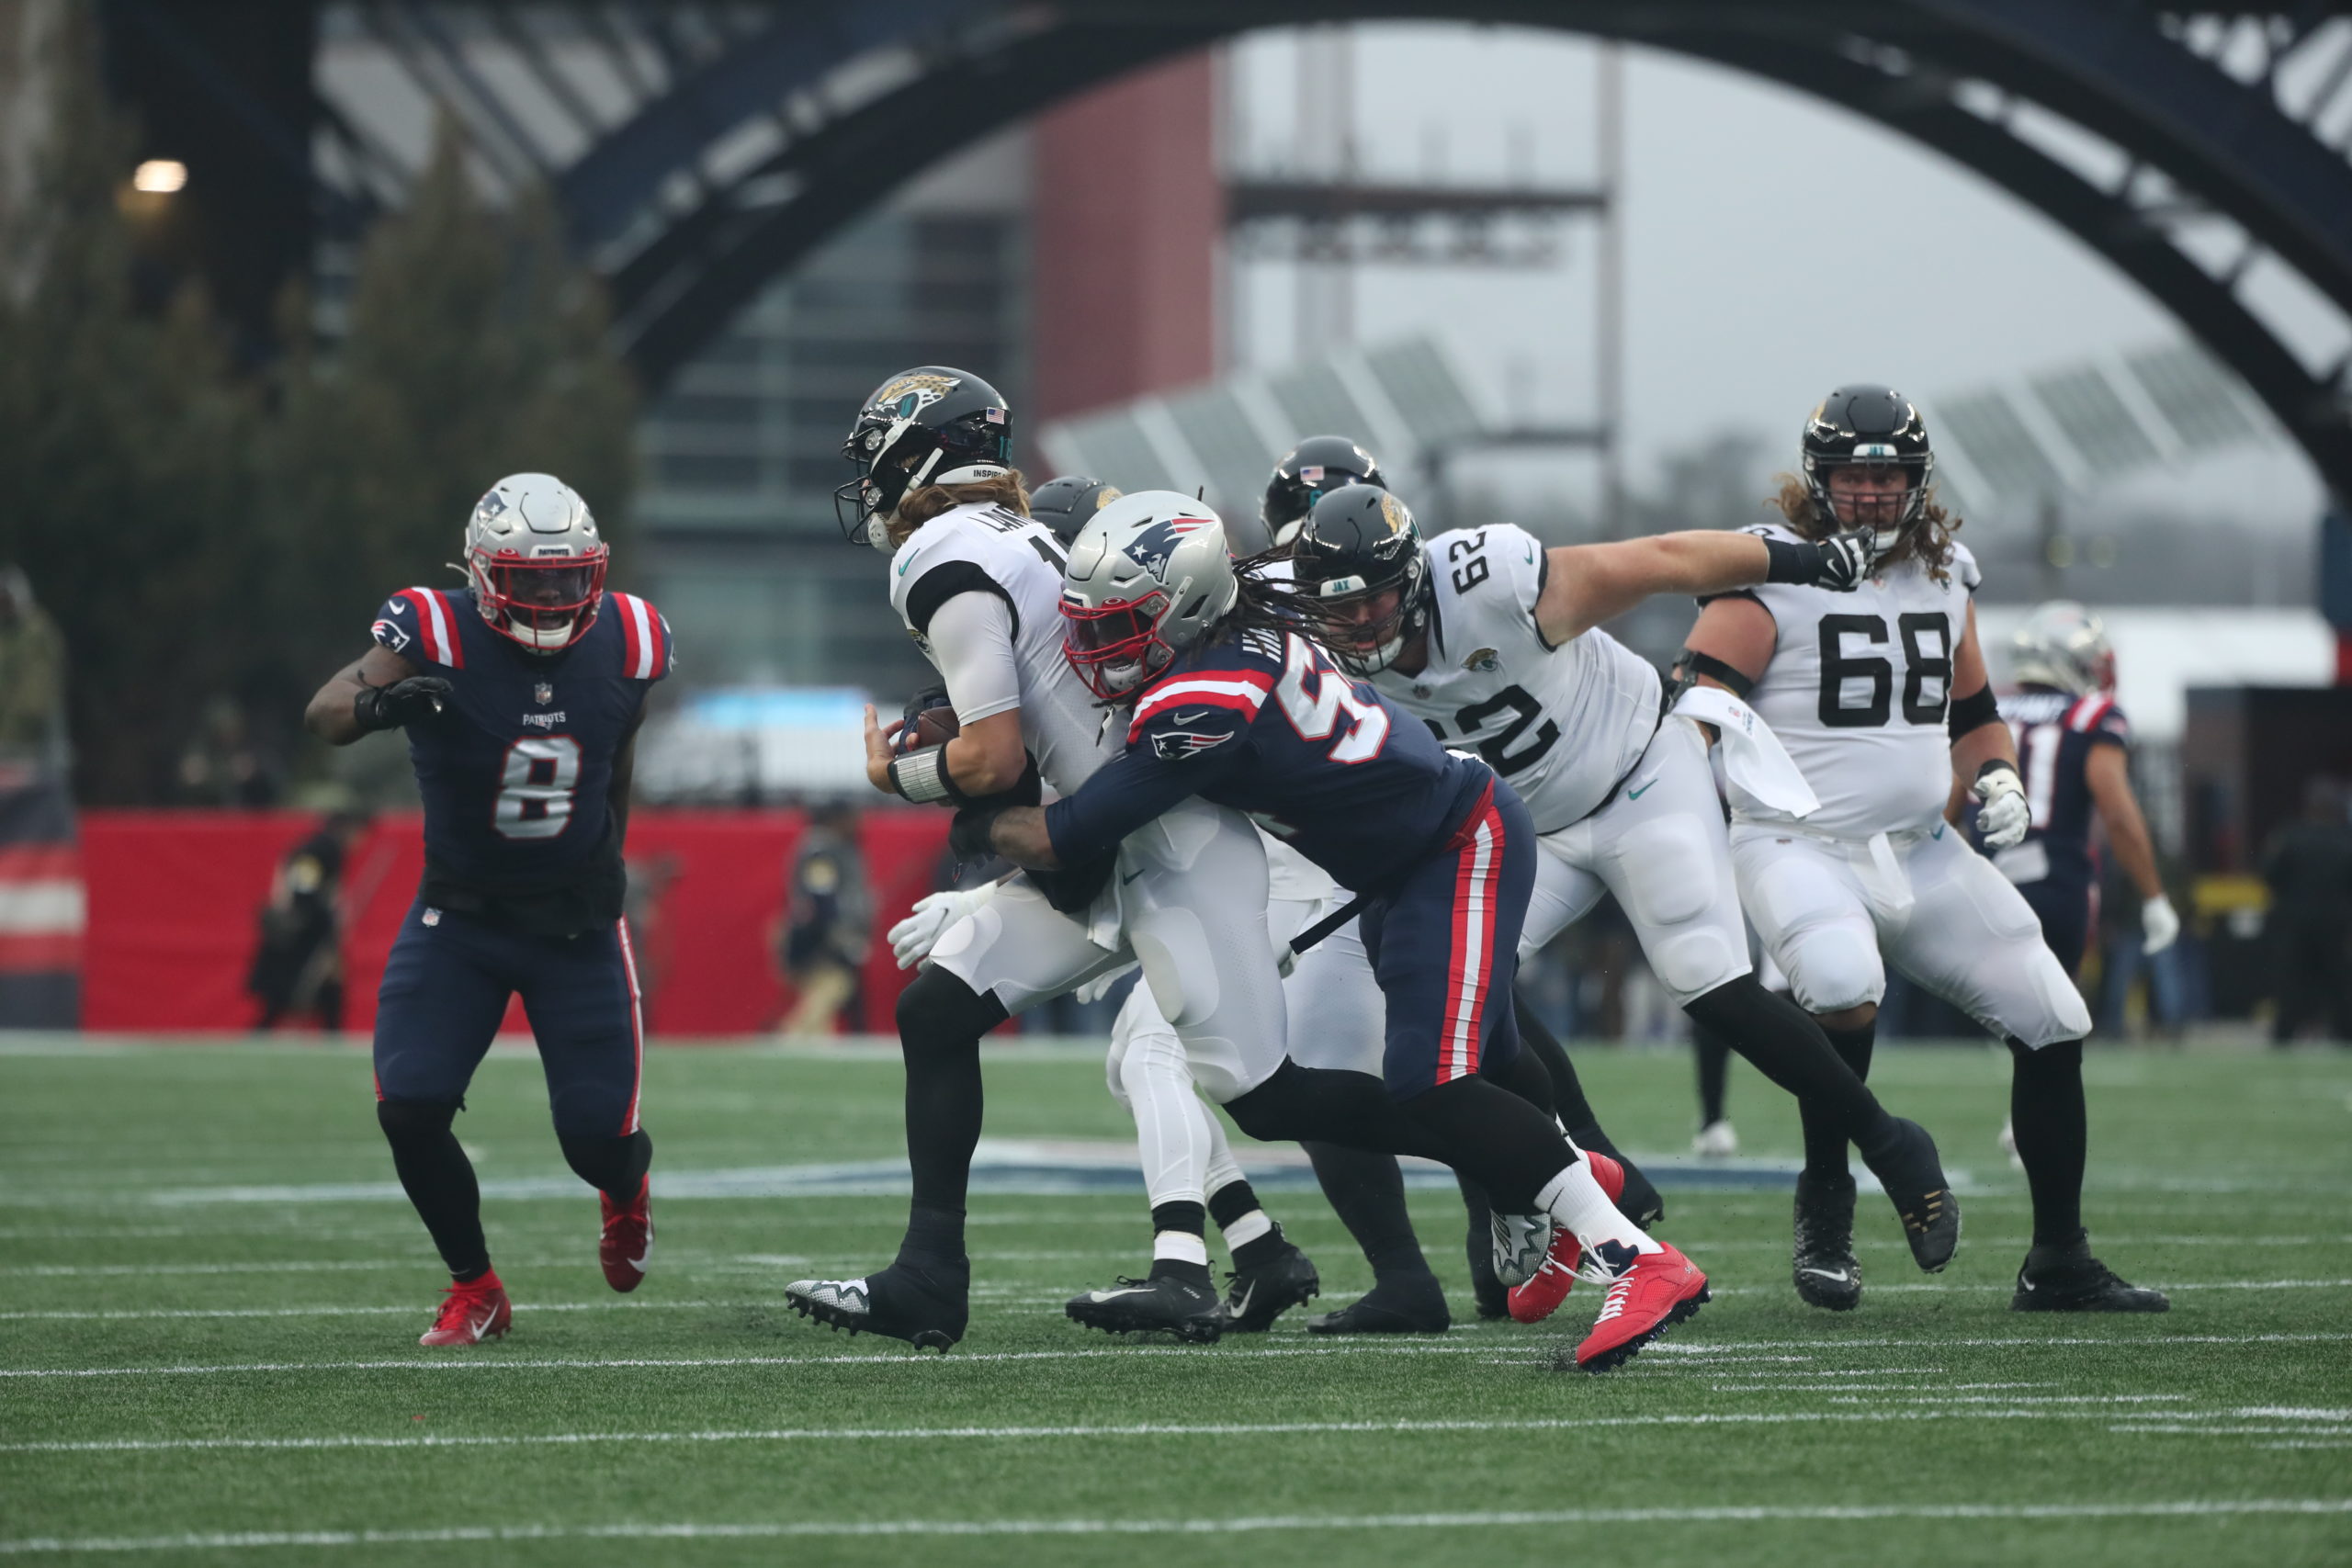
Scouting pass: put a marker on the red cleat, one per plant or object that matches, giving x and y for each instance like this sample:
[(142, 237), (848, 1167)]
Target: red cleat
[(1541, 1297), (627, 1241), (473, 1312), (1656, 1291)]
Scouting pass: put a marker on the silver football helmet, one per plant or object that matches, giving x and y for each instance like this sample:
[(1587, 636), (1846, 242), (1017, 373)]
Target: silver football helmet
[(2062, 644), (536, 561), (1148, 576)]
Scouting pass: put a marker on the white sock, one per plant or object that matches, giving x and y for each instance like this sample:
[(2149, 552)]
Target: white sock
[(1574, 1199), (1247, 1228), (1180, 1247)]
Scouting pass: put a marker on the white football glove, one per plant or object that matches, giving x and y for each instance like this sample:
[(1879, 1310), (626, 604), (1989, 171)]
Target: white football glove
[(912, 938), (2159, 923), (2005, 815)]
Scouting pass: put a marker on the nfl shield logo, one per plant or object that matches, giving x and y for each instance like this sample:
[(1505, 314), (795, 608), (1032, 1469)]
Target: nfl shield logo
[(431, 917), (544, 692)]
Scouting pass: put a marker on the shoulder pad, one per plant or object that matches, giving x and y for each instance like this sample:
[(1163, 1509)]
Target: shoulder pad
[(1964, 570), (421, 626), (646, 654)]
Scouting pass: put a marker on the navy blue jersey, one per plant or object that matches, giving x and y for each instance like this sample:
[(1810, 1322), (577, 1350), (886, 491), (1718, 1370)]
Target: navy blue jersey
[(516, 771), (1264, 723), (2055, 735)]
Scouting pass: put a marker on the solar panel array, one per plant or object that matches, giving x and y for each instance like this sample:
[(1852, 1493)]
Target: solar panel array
[(1402, 400), (2067, 430)]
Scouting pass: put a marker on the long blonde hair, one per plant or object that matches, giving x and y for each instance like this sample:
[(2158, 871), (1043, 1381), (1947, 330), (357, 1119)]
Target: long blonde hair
[(918, 507), (1929, 542)]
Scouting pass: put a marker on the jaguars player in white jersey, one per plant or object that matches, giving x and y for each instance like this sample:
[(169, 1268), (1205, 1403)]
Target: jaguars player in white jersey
[(978, 584), (1881, 698), (1494, 641)]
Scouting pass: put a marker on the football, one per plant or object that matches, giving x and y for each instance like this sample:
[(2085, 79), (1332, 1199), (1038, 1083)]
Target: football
[(932, 725)]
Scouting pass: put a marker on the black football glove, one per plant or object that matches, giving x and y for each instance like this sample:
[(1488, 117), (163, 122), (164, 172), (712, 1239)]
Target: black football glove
[(403, 702), (1839, 563)]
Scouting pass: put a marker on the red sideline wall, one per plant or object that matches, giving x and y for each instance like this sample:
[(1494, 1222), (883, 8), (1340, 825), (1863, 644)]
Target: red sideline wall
[(175, 898)]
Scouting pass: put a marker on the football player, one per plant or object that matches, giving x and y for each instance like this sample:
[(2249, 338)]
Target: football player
[(1495, 643), (522, 693), (1334, 990), (1226, 702), (1881, 698), (2072, 747), (976, 582)]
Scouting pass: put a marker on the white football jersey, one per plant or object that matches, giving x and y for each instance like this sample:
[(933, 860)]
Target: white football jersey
[(1565, 724), (1857, 691), (984, 547)]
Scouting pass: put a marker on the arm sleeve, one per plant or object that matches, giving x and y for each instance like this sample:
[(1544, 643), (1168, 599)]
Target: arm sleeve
[(1164, 763), (971, 639)]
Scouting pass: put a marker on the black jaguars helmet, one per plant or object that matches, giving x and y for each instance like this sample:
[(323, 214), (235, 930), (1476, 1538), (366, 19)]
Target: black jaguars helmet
[(1866, 425), (1316, 466), (1064, 505), (1355, 546), (933, 425)]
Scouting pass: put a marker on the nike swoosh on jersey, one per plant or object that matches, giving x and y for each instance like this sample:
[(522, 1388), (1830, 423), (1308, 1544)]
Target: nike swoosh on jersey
[(1637, 794), (1189, 715)]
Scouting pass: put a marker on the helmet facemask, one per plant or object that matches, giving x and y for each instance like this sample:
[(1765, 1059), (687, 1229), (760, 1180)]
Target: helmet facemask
[(545, 603), (1117, 648)]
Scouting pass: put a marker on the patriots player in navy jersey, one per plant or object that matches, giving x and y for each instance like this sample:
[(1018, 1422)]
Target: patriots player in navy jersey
[(2072, 747), (1228, 702), (521, 694)]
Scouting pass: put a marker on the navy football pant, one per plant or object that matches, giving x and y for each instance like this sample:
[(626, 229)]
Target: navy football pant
[(1445, 947), (445, 988)]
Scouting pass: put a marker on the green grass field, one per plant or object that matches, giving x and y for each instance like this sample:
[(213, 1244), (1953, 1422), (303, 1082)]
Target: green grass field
[(208, 1346)]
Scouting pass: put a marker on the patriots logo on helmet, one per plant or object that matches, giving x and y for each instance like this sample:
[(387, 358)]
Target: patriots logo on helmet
[(1175, 745), (1151, 548)]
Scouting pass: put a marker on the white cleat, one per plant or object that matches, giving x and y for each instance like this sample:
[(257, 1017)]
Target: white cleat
[(1521, 1243), (1715, 1140)]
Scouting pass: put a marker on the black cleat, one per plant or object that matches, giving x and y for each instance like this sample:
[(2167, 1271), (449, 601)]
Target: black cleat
[(2068, 1278), (1823, 1267), (1255, 1297), (1162, 1304), (927, 1307), (1913, 1174), (1412, 1305)]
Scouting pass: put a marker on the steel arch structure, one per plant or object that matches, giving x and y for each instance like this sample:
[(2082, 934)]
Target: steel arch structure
[(2203, 153)]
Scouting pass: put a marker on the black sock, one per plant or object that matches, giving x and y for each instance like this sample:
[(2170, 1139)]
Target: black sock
[(2052, 1129), (1478, 1240), (1781, 1040), (1367, 1191), (1713, 1053), (1824, 1139), (941, 1021), (438, 1179), (1229, 1202), (615, 1166), (1495, 1138), (1568, 1092)]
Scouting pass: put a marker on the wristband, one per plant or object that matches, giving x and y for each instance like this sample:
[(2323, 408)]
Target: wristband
[(1990, 783), (1791, 562), (922, 777)]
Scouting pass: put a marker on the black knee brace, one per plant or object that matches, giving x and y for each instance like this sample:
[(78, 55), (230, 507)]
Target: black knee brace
[(416, 1124), (612, 1166), (939, 1011)]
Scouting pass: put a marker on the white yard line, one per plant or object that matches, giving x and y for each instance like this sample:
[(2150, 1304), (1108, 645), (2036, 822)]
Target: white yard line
[(487, 1361), (808, 1529), (419, 1307), (2027, 1411)]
